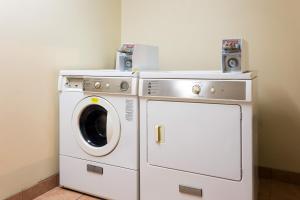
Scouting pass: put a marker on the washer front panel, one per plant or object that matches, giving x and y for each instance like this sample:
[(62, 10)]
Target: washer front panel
[(88, 117)]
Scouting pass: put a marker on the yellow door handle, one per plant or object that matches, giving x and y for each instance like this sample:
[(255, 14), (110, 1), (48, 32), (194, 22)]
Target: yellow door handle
[(159, 131)]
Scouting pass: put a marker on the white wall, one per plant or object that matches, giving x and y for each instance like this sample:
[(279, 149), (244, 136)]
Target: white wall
[(189, 32), (37, 39)]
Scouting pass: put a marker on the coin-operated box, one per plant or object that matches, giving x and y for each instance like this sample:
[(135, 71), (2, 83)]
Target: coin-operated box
[(233, 55), (137, 57)]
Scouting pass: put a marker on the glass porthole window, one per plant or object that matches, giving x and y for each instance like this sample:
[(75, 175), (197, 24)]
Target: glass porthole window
[(96, 126)]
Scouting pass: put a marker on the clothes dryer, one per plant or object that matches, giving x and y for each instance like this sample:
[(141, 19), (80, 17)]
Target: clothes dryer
[(197, 136)]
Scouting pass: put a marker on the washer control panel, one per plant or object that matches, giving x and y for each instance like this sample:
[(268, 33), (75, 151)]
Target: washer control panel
[(112, 85), (195, 89), (108, 85)]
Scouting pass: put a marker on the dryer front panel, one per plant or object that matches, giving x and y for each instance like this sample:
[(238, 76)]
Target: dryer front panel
[(195, 137)]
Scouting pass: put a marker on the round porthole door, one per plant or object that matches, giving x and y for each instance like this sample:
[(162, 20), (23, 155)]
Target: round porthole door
[(96, 126)]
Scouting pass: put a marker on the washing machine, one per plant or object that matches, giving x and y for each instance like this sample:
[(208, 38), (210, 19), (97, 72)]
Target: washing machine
[(197, 136), (98, 133)]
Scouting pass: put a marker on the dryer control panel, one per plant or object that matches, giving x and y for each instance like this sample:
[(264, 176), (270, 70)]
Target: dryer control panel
[(233, 90)]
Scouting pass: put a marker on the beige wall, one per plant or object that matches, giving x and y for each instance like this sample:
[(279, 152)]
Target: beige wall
[(37, 39), (188, 33)]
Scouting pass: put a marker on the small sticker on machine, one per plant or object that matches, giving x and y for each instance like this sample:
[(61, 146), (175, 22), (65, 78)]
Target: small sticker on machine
[(129, 110), (94, 100)]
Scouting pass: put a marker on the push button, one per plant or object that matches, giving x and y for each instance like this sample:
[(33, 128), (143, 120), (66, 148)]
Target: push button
[(212, 90)]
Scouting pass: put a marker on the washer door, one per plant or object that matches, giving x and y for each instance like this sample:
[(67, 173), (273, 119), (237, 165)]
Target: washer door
[(96, 126)]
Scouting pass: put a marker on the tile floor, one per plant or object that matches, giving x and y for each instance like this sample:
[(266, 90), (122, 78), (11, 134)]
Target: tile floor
[(276, 190), (64, 194), (269, 190)]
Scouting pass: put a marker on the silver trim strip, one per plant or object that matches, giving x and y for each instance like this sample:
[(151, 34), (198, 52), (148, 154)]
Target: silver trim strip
[(104, 85), (107, 85), (194, 89)]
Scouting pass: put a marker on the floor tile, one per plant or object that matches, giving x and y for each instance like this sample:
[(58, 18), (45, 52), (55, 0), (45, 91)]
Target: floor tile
[(85, 197), (264, 189), (59, 194), (268, 190), (40, 188), (284, 191)]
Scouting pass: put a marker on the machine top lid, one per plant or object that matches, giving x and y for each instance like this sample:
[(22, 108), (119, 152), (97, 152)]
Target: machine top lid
[(197, 75), (98, 73)]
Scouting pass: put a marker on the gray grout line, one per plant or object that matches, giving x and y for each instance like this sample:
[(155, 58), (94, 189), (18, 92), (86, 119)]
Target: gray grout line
[(79, 197)]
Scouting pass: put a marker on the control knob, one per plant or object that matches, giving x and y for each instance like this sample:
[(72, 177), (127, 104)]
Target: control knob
[(97, 85), (124, 86), (233, 63), (196, 89)]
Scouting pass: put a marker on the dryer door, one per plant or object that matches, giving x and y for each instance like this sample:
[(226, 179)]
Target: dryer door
[(195, 137), (96, 126)]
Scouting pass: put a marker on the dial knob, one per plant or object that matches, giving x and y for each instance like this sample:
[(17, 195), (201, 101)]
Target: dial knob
[(233, 63), (196, 89), (97, 85), (124, 86)]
